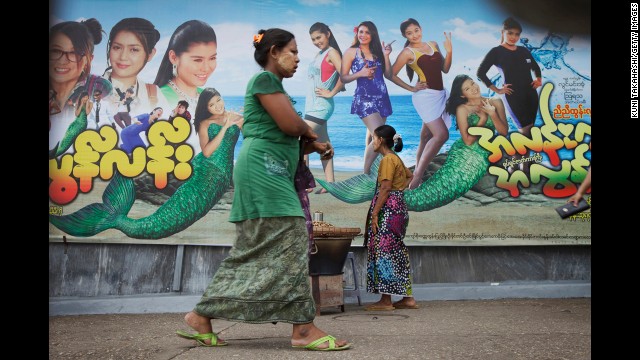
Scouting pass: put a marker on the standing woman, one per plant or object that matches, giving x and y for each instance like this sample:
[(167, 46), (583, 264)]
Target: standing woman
[(368, 63), (190, 59), (388, 268), (265, 279), (429, 95), (325, 84), (131, 46), (515, 64), (71, 45)]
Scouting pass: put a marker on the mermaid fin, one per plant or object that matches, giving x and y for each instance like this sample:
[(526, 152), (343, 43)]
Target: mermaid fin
[(94, 218), (357, 189)]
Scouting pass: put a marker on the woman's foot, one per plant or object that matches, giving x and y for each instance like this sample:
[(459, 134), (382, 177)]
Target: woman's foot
[(201, 324), (321, 191), (406, 303), (305, 334), (414, 184)]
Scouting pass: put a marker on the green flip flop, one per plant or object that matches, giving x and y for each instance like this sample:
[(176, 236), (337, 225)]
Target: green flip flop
[(200, 338), (313, 346)]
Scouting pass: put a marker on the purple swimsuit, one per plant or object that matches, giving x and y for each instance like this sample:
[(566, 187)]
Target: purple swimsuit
[(371, 96)]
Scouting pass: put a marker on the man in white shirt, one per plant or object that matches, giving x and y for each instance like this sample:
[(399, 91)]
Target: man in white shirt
[(101, 112)]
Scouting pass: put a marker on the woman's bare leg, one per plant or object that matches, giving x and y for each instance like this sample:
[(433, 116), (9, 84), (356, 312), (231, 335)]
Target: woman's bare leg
[(440, 135), (425, 135), (371, 122)]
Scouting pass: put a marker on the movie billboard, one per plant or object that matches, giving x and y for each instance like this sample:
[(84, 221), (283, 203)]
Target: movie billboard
[(494, 113)]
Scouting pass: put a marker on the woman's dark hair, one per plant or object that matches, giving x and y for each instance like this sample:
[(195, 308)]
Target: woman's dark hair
[(386, 133), (270, 37), (83, 35), (187, 34), (202, 109), (82, 94), (323, 28), (455, 97), (143, 29), (511, 23), (155, 108), (375, 46), (403, 27)]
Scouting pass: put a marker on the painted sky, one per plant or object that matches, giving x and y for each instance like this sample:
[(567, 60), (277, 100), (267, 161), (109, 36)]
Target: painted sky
[(474, 24)]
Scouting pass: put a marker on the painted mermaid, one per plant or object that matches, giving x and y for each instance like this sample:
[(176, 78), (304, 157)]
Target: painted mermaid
[(467, 162), (218, 131)]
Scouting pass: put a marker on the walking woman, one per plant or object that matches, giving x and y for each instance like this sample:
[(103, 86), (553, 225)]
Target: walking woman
[(265, 279), (429, 95), (324, 72), (367, 62), (388, 268)]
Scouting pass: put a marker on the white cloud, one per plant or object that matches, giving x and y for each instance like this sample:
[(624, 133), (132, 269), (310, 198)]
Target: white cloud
[(478, 33)]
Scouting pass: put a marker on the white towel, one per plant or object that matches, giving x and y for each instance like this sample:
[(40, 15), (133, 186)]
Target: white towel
[(430, 105)]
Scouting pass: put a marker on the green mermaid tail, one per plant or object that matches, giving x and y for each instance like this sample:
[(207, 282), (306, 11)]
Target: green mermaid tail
[(464, 167), (192, 200), (357, 189), (75, 128)]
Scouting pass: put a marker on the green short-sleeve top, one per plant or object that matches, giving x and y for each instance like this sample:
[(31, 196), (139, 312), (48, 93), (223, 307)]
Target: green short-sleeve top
[(267, 161)]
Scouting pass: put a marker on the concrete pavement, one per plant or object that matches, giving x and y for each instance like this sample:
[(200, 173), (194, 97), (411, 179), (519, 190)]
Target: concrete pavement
[(549, 328)]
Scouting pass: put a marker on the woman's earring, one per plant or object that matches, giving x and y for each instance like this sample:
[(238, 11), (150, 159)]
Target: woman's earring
[(175, 70)]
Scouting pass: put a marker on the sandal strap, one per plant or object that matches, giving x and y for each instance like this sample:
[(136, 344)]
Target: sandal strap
[(328, 338)]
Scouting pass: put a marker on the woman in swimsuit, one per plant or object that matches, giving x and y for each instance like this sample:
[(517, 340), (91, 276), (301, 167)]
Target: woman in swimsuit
[(429, 95), (368, 62)]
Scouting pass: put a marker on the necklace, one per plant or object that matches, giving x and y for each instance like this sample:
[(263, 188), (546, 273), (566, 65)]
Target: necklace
[(191, 100)]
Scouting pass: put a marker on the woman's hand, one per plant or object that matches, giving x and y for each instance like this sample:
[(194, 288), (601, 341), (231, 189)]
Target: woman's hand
[(374, 223), (487, 107), (323, 148), (387, 48), (420, 85), (447, 43), (536, 83), (324, 93), (506, 89), (367, 71), (236, 119)]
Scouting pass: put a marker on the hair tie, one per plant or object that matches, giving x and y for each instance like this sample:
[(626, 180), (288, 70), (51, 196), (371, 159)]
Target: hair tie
[(257, 38), (355, 30), (396, 137)]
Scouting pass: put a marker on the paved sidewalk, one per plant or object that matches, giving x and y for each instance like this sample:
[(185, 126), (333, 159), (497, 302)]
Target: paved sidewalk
[(462, 329)]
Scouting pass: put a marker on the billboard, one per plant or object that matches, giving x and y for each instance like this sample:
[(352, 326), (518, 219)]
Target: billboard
[(126, 163)]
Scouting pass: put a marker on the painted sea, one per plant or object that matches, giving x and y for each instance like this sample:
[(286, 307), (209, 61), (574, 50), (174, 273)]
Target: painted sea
[(347, 132)]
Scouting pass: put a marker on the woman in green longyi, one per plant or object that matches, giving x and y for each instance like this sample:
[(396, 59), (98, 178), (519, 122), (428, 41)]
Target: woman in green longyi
[(265, 278)]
